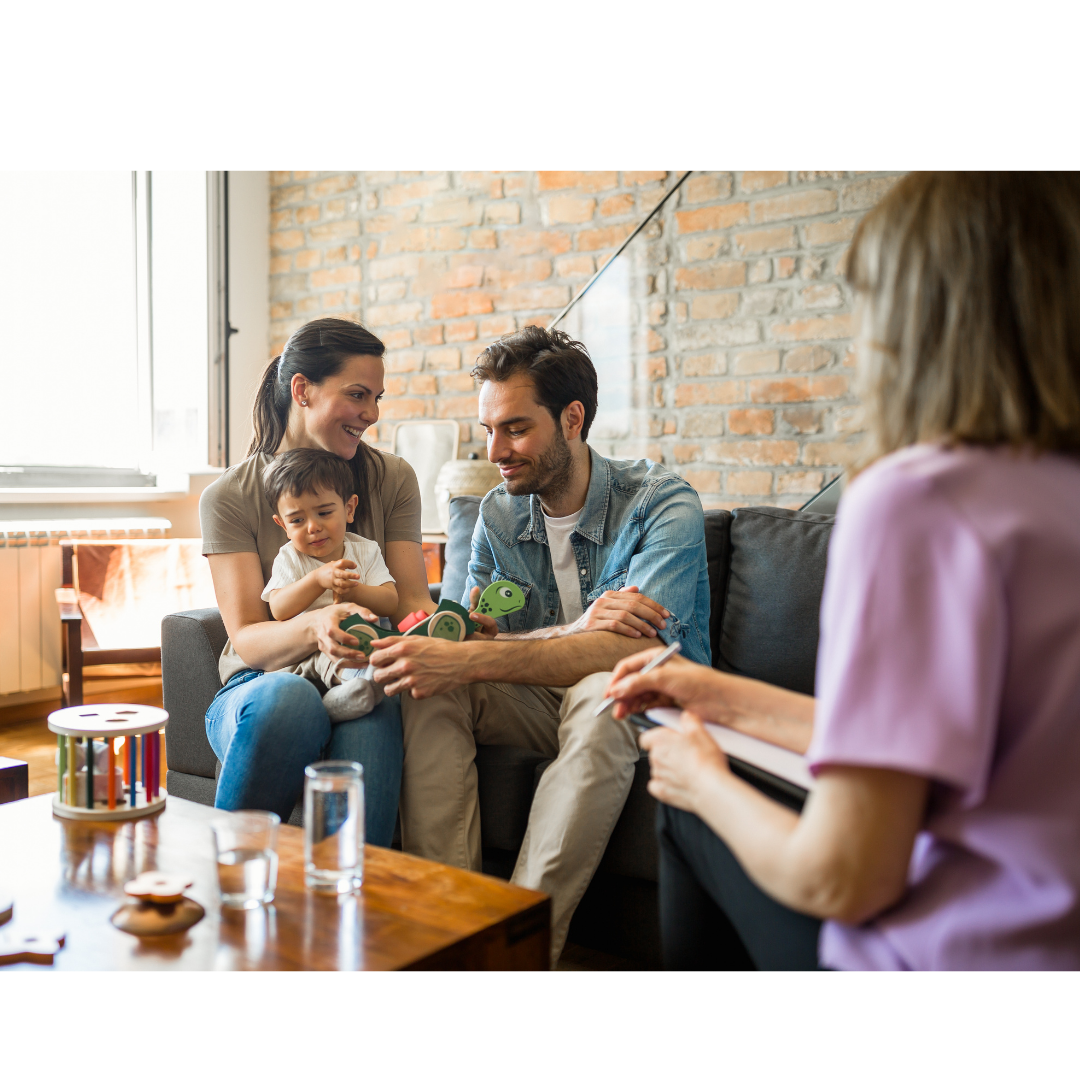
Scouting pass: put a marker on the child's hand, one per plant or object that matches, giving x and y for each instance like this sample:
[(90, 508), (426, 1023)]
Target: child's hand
[(339, 577)]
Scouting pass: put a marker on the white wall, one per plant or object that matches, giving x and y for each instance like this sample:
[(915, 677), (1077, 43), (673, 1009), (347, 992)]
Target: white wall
[(249, 299)]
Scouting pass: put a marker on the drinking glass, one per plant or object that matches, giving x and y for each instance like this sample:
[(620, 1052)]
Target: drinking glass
[(247, 861), (334, 826)]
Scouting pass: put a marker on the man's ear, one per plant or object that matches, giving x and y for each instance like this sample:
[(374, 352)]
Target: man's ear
[(573, 416), (350, 508)]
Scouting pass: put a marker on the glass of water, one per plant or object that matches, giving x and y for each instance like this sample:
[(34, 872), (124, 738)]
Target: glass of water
[(247, 861), (334, 826)]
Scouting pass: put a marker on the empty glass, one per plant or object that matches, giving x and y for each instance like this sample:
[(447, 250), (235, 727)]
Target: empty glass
[(334, 826), (247, 861)]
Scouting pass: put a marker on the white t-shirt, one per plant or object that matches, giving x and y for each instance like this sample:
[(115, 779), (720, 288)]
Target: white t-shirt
[(291, 565), (563, 562)]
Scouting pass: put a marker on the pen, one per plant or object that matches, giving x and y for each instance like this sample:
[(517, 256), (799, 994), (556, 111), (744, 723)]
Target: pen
[(663, 658)]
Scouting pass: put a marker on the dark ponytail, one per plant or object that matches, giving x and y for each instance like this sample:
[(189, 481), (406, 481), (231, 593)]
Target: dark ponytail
[(317, 350)]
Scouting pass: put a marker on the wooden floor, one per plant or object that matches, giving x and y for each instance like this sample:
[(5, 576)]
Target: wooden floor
[(25, 734), (27, 738)]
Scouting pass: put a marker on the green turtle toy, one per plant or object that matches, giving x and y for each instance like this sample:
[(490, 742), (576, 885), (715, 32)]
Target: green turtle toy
[(501, 598), (449, 621)]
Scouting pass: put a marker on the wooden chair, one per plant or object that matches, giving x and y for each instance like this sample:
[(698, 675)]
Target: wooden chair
[(151, 596)]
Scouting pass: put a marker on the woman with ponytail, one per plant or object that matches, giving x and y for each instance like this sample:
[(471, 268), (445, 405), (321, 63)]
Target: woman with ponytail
[(265, 724)]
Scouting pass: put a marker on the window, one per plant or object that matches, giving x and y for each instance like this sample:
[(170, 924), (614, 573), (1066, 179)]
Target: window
[(105, 297)]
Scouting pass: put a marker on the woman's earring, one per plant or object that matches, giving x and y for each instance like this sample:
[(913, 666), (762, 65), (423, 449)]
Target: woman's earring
[(303, 401)]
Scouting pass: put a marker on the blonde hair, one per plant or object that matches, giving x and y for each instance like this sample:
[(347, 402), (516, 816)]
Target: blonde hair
[(969, 290)]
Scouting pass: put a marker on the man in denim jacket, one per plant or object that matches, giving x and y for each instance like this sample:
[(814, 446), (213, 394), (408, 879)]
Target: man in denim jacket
[(610, 556)]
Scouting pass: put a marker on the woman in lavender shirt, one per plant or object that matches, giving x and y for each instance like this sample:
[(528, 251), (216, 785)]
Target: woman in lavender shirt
[(944, 831)]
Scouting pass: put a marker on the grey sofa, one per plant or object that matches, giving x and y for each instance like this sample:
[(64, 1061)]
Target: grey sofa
[(766, 569)]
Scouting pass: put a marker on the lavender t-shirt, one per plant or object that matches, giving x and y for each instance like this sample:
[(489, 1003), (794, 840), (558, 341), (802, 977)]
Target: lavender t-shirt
[(950, 649)]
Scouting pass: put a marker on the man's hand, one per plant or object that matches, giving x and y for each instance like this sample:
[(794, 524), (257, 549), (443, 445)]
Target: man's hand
[(489, 628), (422, 666), (683, 764), (332, 640), (624, 612), (339, 576)]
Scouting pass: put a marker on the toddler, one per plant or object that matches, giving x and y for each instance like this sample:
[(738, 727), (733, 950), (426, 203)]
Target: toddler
[(313, 496)]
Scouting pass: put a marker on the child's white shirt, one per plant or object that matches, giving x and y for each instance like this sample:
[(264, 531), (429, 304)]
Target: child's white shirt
[(290, 565)]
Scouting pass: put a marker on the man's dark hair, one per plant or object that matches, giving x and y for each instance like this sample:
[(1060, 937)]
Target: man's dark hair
[(559, 367), (304, 471)]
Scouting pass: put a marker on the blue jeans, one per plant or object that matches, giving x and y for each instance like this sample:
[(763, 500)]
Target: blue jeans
[(265, 727)]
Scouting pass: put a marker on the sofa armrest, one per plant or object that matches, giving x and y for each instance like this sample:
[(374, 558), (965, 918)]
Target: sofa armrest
[(191, 642)]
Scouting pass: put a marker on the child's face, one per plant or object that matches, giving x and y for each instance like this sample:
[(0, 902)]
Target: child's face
[(316, 522)]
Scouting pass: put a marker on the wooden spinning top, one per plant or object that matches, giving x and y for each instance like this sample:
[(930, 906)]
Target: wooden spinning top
[(157, 905), (157, 887)]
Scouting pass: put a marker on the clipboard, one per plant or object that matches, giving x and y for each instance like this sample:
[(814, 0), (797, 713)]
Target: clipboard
[(781, 774)]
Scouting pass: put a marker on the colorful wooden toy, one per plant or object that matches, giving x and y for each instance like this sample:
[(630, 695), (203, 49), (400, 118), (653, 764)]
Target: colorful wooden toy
[(28, 946), (365, 632), (108, 762), (157, 905), (449, 621), (500, 598)]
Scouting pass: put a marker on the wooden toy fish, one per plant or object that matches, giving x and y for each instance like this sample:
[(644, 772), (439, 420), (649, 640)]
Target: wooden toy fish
[(500, 598), (29, 947)]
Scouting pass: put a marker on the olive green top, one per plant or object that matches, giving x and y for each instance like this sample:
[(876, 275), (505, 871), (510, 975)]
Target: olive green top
[(235, 516)]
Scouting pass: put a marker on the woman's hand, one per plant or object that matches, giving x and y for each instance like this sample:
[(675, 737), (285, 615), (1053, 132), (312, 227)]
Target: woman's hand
[(332, 640), (677, 682), (624, 612), (683, 764), (489, 628), (339, 576)]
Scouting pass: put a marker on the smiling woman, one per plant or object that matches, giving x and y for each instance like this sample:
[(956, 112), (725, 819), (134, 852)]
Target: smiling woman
[(266, 724)]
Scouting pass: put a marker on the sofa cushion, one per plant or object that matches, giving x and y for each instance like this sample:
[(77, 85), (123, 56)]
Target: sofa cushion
[(632, 851), (717, 555), (769, 623), (464, 510), (191, 642), (506, 776)]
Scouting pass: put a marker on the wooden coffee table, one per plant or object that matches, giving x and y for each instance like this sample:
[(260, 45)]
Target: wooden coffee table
[(410, 913)]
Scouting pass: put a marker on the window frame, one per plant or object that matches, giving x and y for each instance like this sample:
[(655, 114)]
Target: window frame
[(168, 483)]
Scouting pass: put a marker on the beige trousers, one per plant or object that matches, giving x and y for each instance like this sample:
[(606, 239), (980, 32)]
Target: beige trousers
[(578, 800)]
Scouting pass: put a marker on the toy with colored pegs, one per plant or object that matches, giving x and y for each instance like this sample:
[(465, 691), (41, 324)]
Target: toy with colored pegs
[(500, 598), (29, 946), (108, 761)]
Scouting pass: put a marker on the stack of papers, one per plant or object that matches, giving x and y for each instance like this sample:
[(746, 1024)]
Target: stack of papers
[(785, 764)]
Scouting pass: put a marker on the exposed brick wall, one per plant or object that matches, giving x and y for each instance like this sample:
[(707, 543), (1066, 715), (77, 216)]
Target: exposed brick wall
[(742, 322)]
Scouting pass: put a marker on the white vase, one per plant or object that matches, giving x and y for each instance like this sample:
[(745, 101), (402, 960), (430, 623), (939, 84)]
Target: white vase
[(463, 477)]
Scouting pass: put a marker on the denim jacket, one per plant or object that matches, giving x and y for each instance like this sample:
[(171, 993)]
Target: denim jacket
[(641, 525)]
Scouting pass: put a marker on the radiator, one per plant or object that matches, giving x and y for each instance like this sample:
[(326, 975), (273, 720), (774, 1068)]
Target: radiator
[(30, 570)]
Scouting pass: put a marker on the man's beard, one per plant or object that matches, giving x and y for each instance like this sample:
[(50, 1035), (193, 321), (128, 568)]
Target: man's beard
[(551, 474)]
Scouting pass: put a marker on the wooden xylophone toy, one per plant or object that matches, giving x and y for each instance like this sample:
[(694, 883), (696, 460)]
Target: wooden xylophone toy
[(108, 762)]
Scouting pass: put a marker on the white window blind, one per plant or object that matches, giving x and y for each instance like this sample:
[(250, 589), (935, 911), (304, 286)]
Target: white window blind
[(68, 352)]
